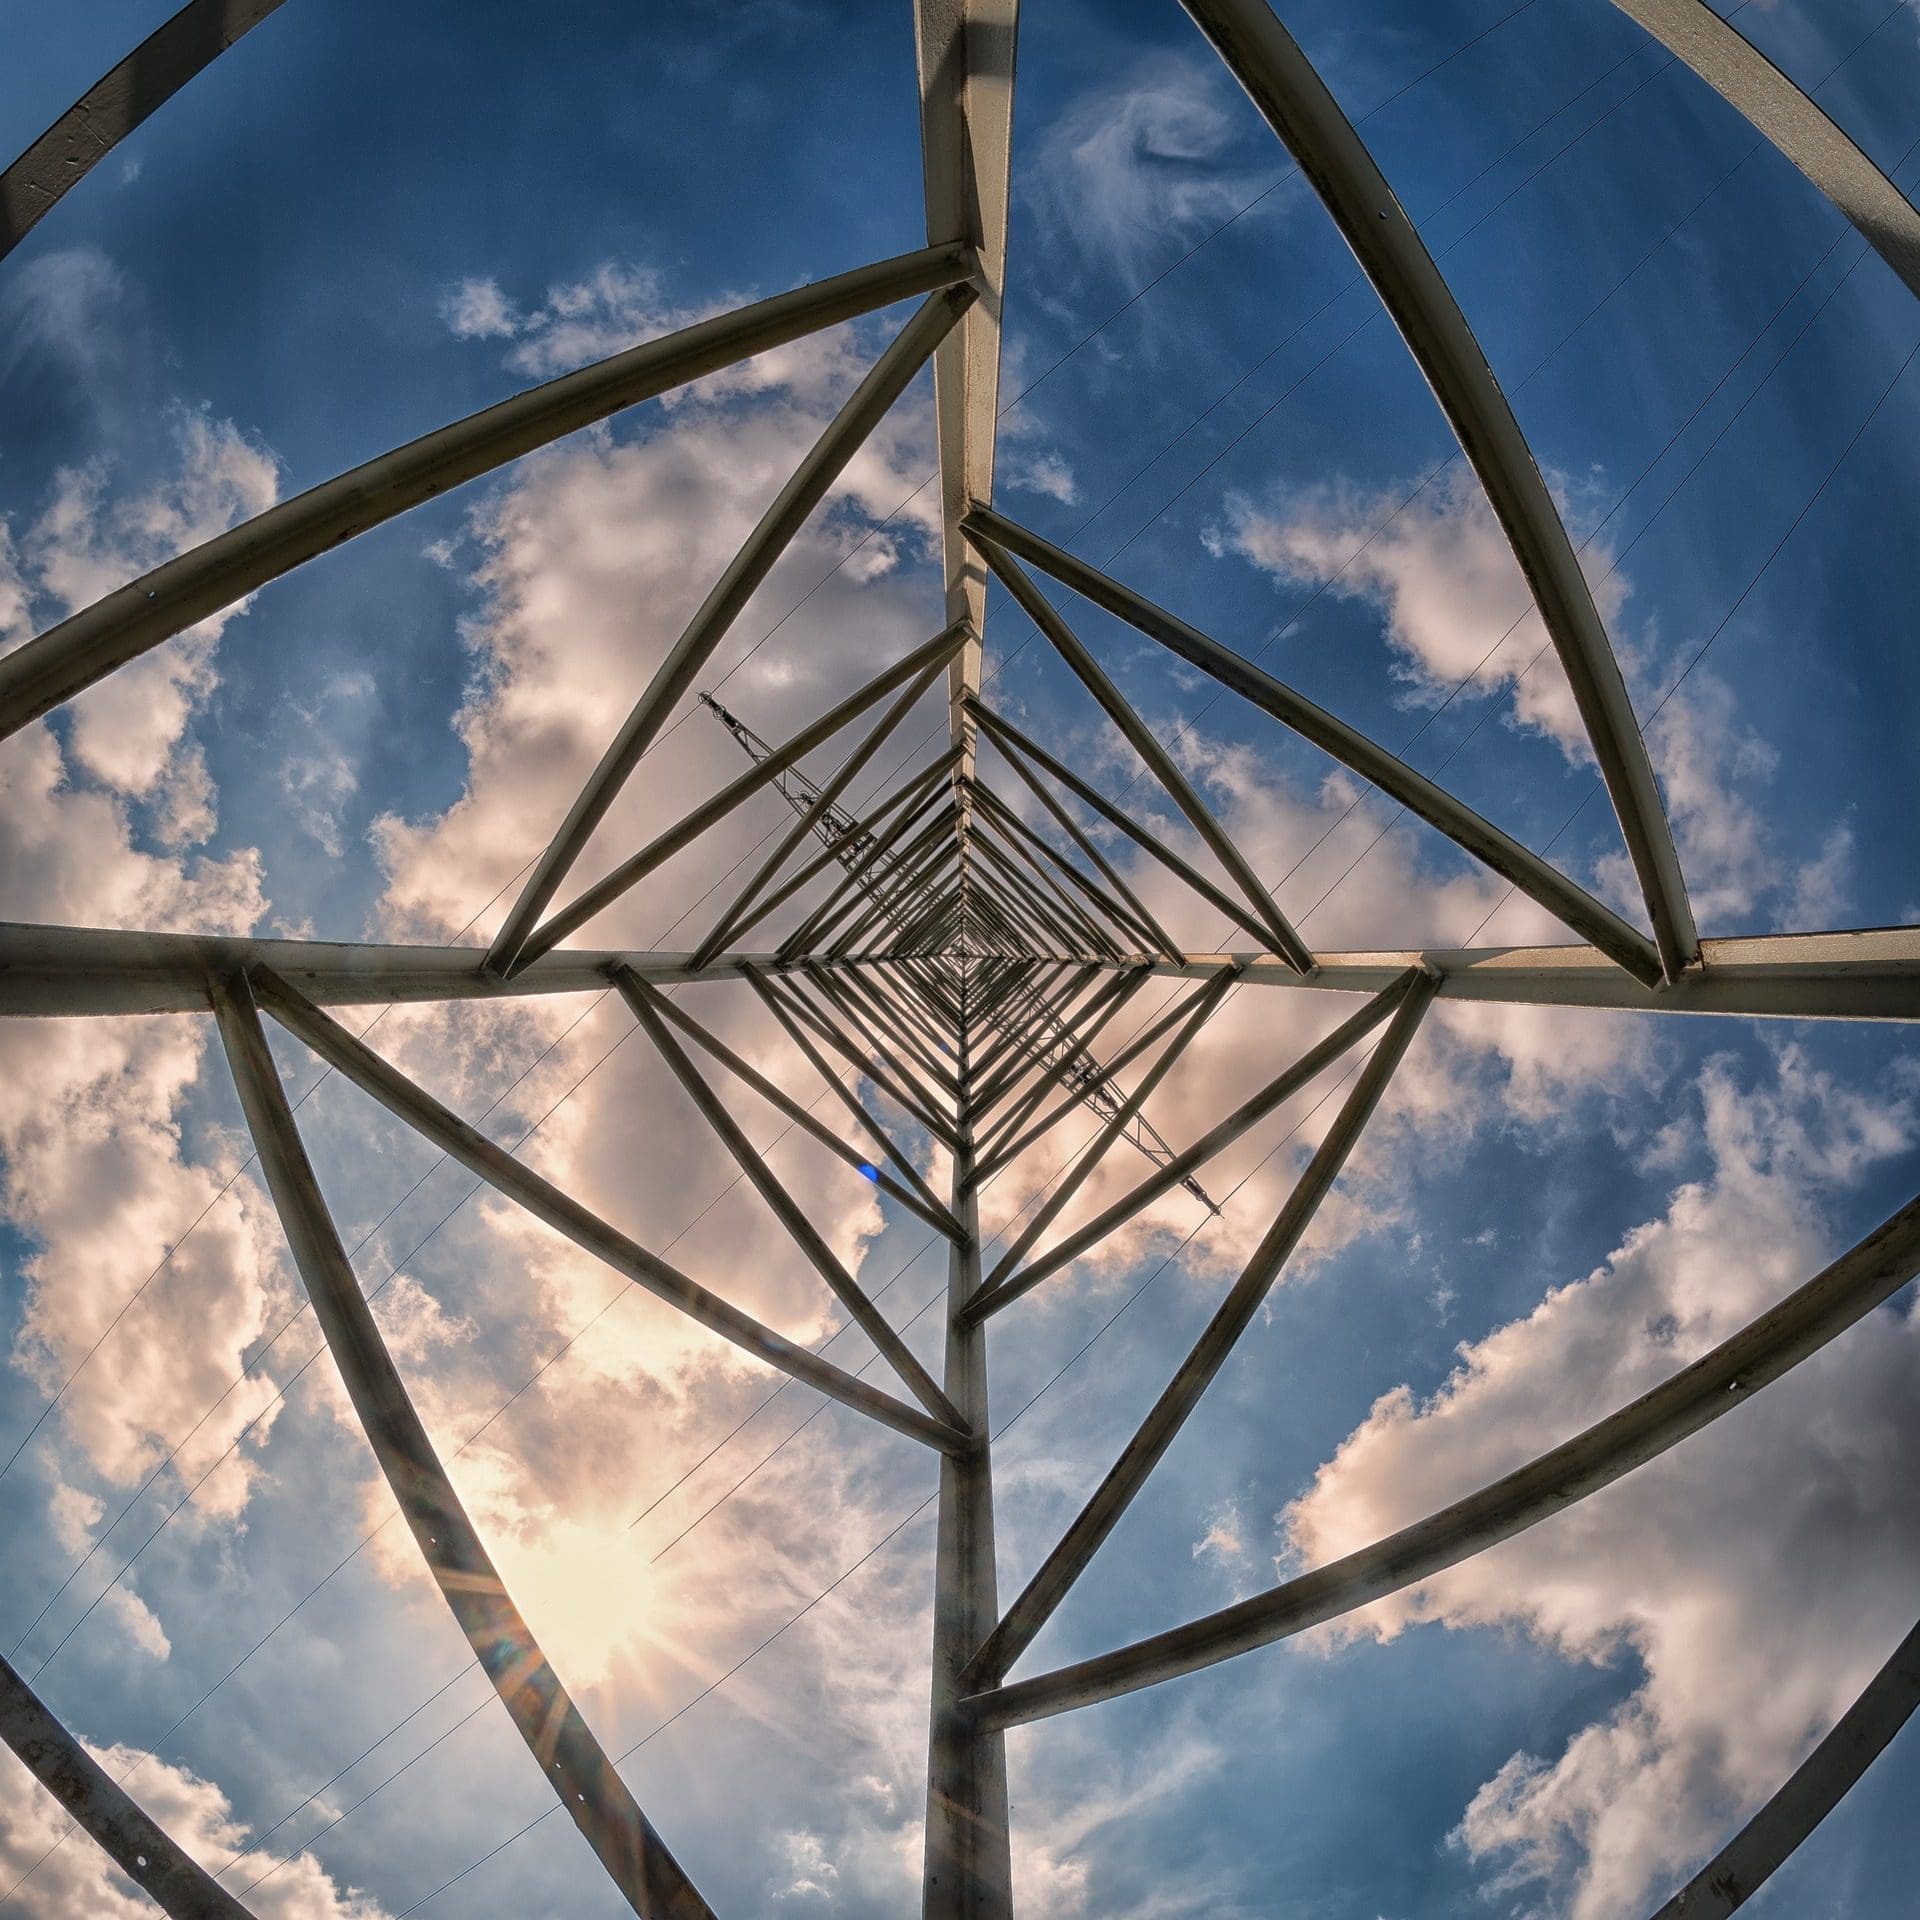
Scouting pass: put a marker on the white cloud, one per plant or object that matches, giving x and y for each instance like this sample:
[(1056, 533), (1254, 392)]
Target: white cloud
[(1132, 167), (77, 1878), (86, 543), (1455, 609), (476, 309), (1442, 576), (1757, 1575)]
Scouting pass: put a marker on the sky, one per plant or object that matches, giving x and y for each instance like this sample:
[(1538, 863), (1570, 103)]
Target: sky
[(365, 221)]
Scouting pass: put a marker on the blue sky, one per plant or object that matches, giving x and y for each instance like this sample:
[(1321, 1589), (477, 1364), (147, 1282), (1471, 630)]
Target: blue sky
[(365, 221)]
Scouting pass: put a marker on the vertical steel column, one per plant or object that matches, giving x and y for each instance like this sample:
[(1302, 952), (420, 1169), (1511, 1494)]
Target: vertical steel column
[(969, 1871)]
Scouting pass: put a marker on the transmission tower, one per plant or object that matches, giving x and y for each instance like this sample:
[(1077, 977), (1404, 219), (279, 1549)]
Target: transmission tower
[(962, 961)]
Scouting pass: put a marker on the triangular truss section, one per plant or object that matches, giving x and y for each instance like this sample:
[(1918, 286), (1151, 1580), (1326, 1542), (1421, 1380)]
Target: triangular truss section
[(956, 952)]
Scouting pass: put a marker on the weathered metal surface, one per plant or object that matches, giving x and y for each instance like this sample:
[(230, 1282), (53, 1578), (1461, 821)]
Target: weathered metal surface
[(115, 105), (1790, 119), (137, 1844)]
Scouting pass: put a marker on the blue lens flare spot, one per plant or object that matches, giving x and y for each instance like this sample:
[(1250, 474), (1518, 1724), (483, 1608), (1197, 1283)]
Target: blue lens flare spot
[(872, 1173)]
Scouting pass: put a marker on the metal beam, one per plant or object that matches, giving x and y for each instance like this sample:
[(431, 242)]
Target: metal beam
[(541, 1198), (738, 913), (964, 52), (1769, 1346), (1818, 1785), (1157, 1432), (1296, 104), (1749, 82), (824, 462), (1197, 1011), (918, 1198), (1140, 737), (643, 1002), (572, 1760), (875, 1131), (174, 53), (1005, 734), (137, 1844), (90, 644), (1539, 879), (910, 671), (1003, 1288), (1869, 973), (969, 1872)]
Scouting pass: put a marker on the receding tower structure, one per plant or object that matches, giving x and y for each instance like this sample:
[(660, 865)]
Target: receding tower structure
[(964, 944)]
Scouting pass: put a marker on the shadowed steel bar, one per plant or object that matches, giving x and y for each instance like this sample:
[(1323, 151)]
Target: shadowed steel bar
[(174, 53), (1294, 100), (1791, 120), (1868, 973), (1157, 1432), (738, 912), (640, 999), (968, 1849), (576, 1767), (787, 1000), (1158, 937), (964, 56), (453, 1136), (1759, 1354), (1120, 916), (1818, 1785), (1139, 736), (143, 1849), (128, 622), (1197, 1012), (1538, 878)]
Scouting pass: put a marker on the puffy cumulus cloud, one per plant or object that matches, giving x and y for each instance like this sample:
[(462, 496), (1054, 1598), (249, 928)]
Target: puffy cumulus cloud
[(87, 541), (1153, 156), (1756, 1576), (77, 1877), (91, 1136), (1440, 573), (1455, 611)]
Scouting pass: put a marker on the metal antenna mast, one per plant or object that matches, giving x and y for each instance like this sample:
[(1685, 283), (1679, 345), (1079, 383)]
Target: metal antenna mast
[(964, 961)]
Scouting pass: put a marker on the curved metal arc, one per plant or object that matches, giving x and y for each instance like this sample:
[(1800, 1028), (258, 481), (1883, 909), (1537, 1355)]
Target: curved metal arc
[(1791, 121), (574, 1763), (1841, 1294), (115, 105), (133, 619), (1297, 105), (1818, 1785), (116, 1823)]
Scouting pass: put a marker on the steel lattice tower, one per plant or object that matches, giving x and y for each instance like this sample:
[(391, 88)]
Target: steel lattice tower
[(963, 961)]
